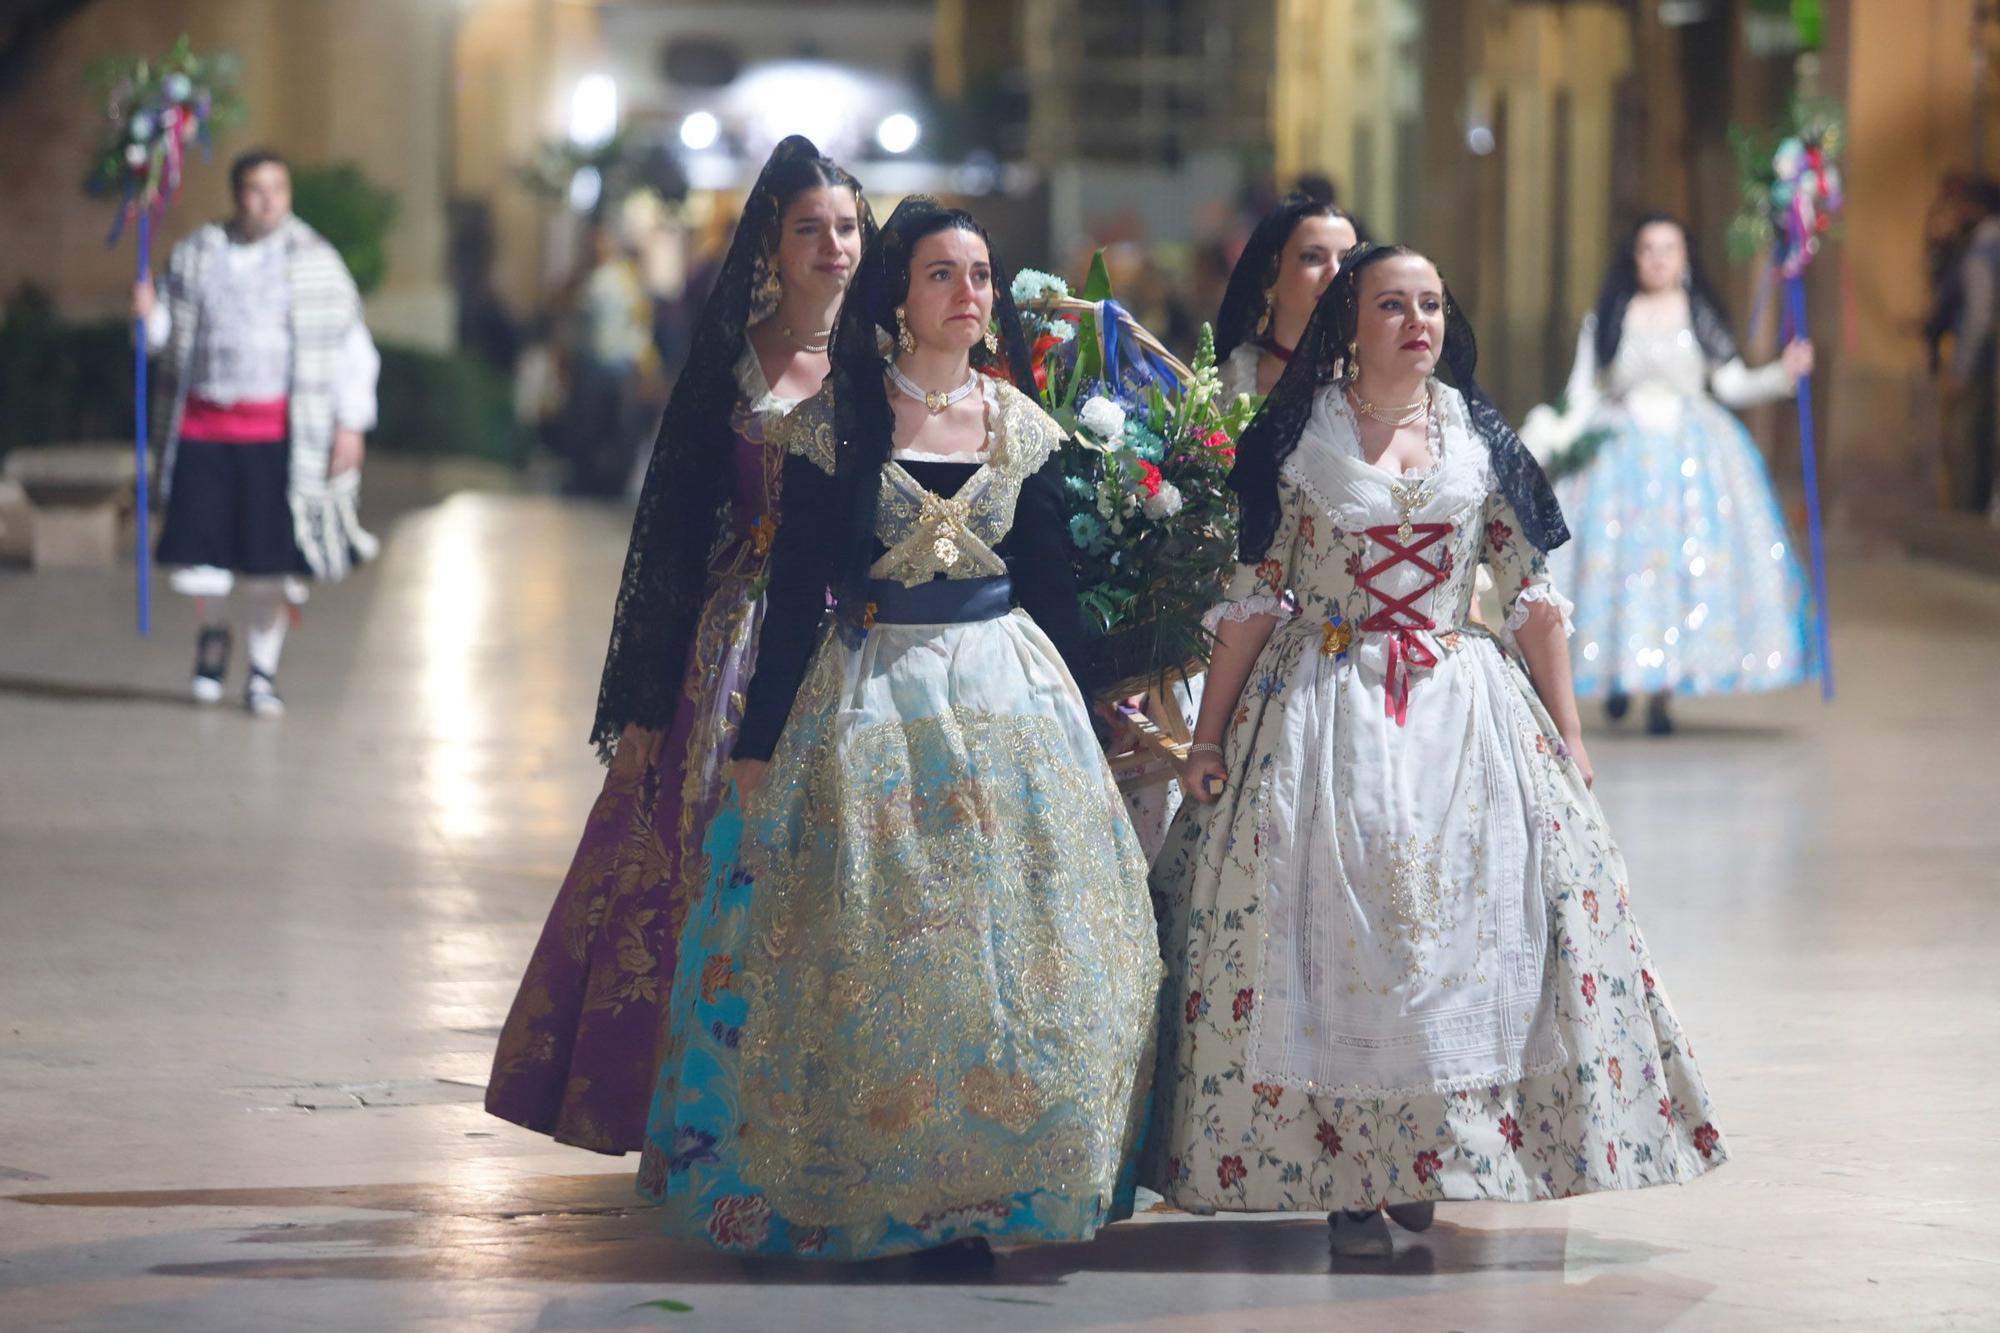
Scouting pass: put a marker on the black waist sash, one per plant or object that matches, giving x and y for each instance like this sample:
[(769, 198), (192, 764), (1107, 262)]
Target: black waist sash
[(940, 601)]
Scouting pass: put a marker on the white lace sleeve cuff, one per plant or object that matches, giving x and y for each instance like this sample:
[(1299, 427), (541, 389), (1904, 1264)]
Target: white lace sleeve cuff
[(1518, 616), (1740, 387), (1264, 604)]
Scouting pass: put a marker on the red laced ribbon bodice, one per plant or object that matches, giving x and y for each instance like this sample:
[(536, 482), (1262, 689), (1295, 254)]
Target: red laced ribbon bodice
[(1396, 615)]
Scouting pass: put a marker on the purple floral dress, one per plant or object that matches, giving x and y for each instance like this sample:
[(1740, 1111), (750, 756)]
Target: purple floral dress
[(581, 1048)]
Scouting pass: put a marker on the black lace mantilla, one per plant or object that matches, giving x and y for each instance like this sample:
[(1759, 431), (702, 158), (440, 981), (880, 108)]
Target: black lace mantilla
[(1257, 266), (1621, 284), (1272, 436), (685, 501)]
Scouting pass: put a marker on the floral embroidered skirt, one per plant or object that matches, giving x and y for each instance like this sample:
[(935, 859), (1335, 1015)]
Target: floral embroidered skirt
[(582, 1045), (917, 999), (1402, 963), (1682, 572)]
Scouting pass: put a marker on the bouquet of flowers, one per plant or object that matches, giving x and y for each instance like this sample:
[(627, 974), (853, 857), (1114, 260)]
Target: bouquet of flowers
[(1790, 186), (152, 110), (1150, 444)]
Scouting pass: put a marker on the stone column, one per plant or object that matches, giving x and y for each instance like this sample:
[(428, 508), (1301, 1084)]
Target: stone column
[(1905, 74)]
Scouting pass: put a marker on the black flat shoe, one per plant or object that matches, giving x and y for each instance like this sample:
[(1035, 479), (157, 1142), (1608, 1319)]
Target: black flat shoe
[(971, 1255), (1616, 705), (1413, 1216), (1360, 1233), (211, 663)]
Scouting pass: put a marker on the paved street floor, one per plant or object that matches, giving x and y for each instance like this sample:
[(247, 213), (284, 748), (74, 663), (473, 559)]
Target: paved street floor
[(251, 974)]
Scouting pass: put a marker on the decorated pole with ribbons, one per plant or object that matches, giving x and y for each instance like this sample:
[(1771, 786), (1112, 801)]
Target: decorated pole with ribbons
[(153, 111), (1805, 199), (141, 433), (1791, 199)]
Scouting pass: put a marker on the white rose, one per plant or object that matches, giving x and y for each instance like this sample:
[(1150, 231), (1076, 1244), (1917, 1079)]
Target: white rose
[(1166, 504), (1102, 418)]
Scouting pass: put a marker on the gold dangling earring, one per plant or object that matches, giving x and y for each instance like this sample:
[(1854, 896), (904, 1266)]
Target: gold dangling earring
[(903, 338), (1352, 369), (992, 341), (1264, 316)]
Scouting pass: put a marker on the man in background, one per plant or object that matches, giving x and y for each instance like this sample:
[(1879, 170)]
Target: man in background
[(272, 377)]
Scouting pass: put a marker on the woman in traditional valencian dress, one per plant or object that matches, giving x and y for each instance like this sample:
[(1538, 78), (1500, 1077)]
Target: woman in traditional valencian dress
[(581, 1049), (1287, 262), (916, 1005), (1401, 962), (1685, 579)]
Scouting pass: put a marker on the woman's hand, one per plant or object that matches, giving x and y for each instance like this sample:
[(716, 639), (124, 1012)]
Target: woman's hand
[(749, 775), (1798, 359), (1580, 757), (1205, 778)]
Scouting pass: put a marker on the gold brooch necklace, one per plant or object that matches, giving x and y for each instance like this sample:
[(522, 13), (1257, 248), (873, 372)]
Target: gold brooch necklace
[(934, 401), (1408, 415)]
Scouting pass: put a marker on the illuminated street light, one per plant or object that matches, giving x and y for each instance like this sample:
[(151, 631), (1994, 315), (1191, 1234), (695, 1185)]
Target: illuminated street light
[(700, 130), (898, 133), (593, 111)]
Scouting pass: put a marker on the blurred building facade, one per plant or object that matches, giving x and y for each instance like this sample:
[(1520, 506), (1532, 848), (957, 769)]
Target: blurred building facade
[(322, 80), (1513, 139)]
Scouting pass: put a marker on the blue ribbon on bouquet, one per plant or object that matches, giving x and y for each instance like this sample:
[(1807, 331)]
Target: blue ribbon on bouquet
[(1147, 370)]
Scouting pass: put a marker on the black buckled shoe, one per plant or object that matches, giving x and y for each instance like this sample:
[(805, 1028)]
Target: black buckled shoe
[(211, 663)]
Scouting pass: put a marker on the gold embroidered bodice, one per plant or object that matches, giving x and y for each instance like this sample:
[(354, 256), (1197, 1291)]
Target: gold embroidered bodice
[(930, 535)]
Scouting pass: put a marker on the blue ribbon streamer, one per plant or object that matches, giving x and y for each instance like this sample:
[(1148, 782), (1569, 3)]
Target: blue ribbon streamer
[(1795, 322)]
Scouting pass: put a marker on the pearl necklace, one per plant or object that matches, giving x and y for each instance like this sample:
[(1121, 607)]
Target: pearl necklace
[(1408, 415), (825, 337), (934, 402)]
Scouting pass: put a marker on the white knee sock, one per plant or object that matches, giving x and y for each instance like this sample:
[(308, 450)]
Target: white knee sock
[(269, 617)]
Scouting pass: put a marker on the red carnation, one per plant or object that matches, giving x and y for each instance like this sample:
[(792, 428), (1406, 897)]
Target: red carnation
[(1149, 477)]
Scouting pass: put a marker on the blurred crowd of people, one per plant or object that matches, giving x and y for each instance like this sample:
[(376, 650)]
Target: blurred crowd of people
[(1963, 236), (595, 370)]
